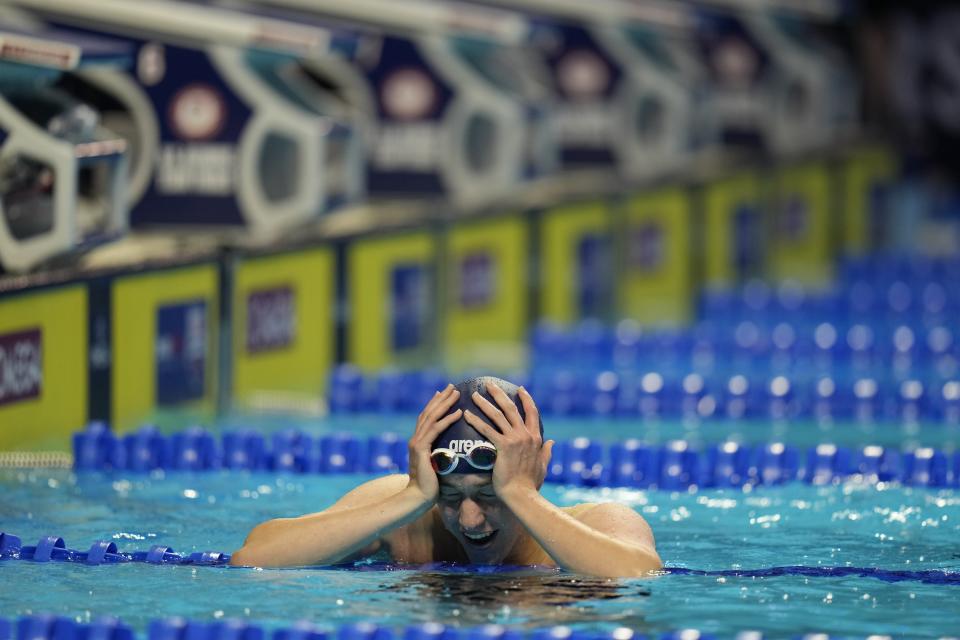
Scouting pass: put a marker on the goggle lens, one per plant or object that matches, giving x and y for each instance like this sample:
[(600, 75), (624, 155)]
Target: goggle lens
[(482, 457), (443, 461)]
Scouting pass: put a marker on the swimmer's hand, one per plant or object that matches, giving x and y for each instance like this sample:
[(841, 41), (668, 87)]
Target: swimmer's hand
[(607, 540), (431, 422), (522, 456)]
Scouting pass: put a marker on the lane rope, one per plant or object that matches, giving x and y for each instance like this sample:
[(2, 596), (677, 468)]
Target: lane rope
[(51, 627), (103, 552), (676, 465)]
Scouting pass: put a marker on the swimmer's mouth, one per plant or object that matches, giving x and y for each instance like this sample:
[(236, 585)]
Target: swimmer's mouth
[(480, 539)]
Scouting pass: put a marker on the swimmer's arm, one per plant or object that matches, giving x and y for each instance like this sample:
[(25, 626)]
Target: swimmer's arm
[(352, 528), (609, 540)]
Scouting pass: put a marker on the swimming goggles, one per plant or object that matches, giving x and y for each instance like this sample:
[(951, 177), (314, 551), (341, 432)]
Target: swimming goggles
[(482, 457)]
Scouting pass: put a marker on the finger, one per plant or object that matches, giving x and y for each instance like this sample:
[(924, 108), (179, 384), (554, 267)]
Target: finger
[(443, 405), (428, 417), (441, 425), (427, 406), (531, 412), (546, 452), (438, 406), (495, 415), (434, 399), (507, 406), (431, 430), (485, 430)]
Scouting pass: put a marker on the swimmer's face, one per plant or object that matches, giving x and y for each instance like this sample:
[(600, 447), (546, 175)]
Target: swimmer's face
[(480, 521)]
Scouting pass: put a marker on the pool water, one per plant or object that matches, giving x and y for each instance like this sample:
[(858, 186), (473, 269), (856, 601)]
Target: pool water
[(890, 527)]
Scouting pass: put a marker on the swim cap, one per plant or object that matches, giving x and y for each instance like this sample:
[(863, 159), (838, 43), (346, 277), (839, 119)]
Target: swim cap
[(461, 436)]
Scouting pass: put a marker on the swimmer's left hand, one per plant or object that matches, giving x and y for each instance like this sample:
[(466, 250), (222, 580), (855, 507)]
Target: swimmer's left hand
[(522, 456)]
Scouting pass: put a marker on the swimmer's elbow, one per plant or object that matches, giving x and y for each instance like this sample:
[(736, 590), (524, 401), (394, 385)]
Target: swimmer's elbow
[(241, 558), (248, 555), (644, 562), (630, 562)]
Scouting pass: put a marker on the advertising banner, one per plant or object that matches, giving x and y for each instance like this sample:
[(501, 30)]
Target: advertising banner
[(43, 360), (487, 300), (284, 325), (576, 262), (656, 259), (451, 105), (164, 343), (868, 174), (392, 299), (735, 230), (803, 233), (181, 352)]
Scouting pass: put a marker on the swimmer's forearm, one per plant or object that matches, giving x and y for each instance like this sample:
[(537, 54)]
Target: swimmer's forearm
[(574, 545), (329, 536)]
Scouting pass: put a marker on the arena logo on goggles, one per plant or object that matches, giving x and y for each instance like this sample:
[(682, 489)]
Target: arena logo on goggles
[(464, 446), (21, 366)]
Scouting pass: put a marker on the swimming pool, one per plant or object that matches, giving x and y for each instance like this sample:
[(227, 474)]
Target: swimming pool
[(736, 537)]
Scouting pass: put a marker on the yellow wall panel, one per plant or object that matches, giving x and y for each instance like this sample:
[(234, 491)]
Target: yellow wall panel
[(866, 171), (656, 277), (803, 243), (562, 230), (370, 267), (487, 304), (136, 301), (300, 363), (727, 203), (47, 420)]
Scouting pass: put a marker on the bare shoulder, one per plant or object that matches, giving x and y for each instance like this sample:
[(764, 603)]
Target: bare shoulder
[(372, 491), (615, 519)]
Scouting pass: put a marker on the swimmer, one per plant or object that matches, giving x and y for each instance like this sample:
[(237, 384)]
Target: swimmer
[(477, 462)]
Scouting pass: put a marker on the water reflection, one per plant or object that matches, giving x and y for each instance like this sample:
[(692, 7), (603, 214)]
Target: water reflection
[(526, 599)]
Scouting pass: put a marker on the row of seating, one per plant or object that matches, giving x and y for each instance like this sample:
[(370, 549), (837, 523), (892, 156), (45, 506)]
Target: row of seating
[(710, 348), (887, 267), (899, 299), (677, 394), (907, 284), (591, 340), (675, 465), (654, 395)]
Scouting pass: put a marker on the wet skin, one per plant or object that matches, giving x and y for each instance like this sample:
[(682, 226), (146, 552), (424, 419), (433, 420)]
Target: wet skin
[(483, 525)]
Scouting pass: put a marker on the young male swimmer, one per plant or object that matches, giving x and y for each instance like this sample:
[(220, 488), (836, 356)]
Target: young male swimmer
[(477, 462)]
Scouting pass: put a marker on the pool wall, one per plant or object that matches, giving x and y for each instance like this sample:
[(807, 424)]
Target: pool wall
[(211, 330)]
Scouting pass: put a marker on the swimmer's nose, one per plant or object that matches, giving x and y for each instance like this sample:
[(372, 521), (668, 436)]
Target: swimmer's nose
[(471, 515)]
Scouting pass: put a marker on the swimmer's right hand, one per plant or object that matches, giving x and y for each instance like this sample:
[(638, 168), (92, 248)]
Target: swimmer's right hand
[(431, 422)]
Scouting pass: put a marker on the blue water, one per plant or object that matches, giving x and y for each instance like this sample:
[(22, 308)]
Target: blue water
[(846, 525)]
